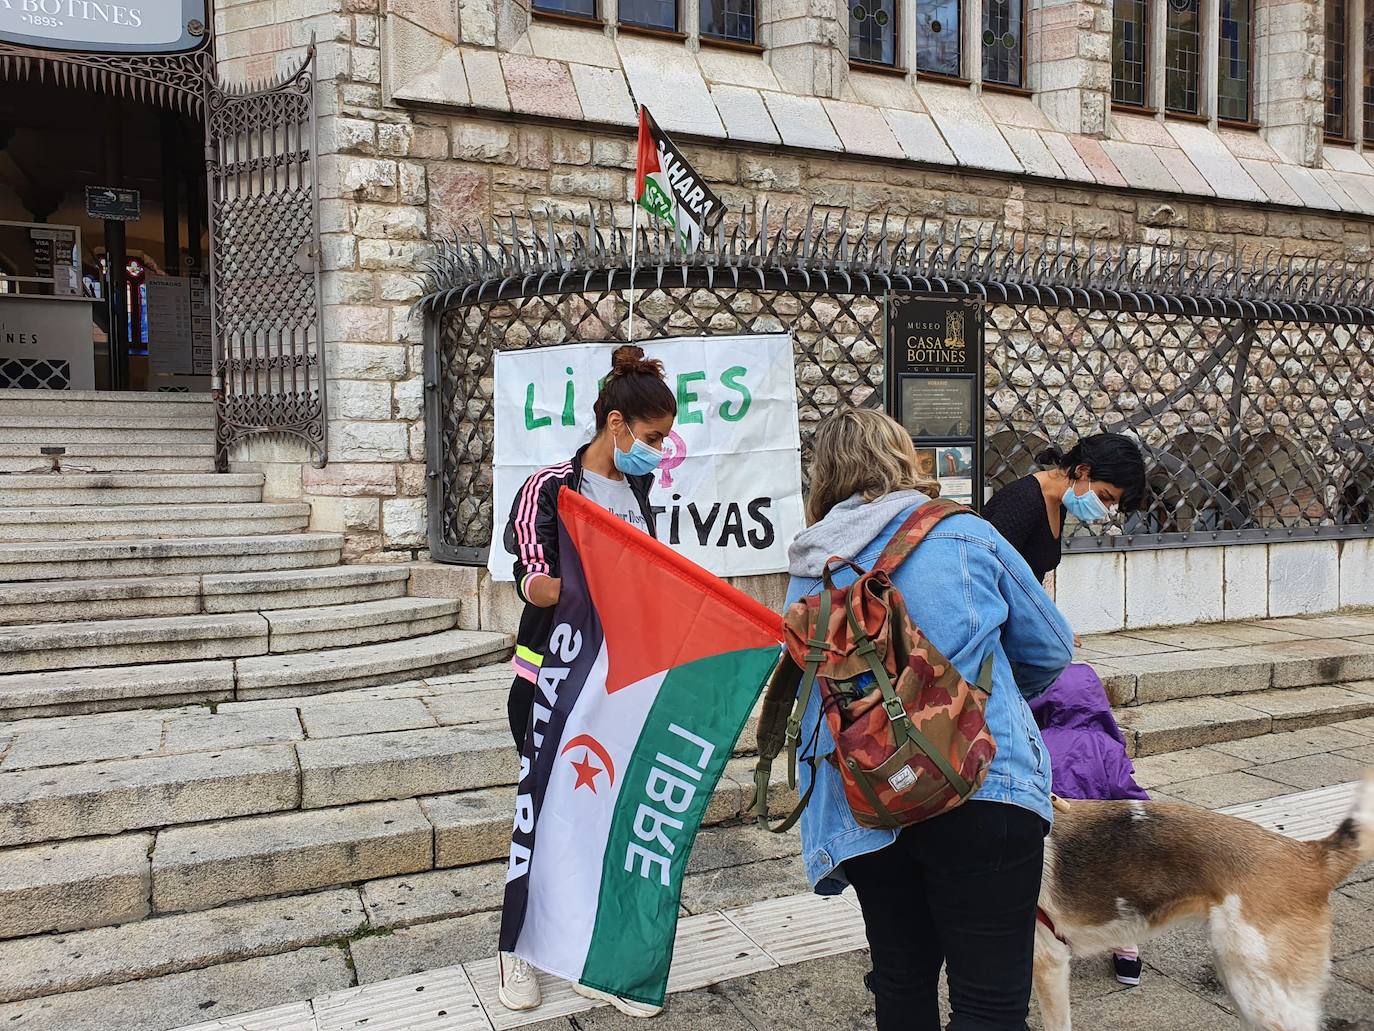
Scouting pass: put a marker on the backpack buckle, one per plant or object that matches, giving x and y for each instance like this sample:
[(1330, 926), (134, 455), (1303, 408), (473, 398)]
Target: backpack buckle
[(895, 710)]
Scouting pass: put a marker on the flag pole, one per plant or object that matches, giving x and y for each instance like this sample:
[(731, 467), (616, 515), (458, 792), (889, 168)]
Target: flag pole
[(634, 257)]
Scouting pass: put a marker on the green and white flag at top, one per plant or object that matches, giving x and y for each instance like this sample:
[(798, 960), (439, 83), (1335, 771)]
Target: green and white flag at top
[(669, 188), (651, 670)]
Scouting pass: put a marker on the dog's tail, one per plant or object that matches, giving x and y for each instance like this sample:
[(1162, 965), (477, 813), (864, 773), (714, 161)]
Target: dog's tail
[(1352, 843)]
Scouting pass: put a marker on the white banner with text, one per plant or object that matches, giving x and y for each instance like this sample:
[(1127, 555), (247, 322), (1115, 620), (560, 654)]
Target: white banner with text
[(727, 494)]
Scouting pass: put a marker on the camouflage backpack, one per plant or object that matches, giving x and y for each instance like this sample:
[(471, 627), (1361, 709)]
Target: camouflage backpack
[(911, 741)]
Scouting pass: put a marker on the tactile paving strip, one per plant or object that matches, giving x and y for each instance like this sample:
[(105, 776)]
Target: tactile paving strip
[(436, 1000), (1308, 815)]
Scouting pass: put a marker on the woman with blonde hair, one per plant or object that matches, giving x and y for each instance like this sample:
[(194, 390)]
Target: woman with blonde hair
[(960, 889)]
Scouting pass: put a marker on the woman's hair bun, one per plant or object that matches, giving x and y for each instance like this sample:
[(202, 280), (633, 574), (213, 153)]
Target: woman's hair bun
[(1050, 457), (629, 358)]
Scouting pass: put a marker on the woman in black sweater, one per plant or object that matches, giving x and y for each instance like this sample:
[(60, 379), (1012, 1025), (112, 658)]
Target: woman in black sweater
[(1099, 474)]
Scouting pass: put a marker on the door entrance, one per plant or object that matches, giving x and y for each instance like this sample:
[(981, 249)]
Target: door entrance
[(104, 281)]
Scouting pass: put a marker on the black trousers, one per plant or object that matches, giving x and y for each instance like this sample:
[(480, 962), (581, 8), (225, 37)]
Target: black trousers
[(959, 890), (519, 704)]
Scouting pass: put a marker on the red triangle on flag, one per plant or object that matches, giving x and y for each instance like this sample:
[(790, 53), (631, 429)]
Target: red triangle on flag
[(657, 609), (646, 156)]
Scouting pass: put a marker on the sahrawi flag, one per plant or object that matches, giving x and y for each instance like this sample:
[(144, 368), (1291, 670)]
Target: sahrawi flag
[(651, 670), (667, 187)]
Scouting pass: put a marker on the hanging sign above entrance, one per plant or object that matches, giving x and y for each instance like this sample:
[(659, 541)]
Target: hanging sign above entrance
[(112, 202), (105, 26)]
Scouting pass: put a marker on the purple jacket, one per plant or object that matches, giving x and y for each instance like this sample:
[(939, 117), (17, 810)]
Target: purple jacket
[(1087, 752)]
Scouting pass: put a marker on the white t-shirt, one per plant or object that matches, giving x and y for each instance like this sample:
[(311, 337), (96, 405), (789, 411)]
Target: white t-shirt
[(615, 496)]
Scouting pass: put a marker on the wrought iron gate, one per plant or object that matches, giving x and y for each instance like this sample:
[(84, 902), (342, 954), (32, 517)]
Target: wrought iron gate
[(264, 259), (1246, 382)]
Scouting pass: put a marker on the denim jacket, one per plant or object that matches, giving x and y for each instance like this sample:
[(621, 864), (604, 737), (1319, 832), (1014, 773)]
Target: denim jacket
[(969, 592)]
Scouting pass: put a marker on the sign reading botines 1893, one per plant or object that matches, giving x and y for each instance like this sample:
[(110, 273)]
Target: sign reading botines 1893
[(105, 26), (935, 386)]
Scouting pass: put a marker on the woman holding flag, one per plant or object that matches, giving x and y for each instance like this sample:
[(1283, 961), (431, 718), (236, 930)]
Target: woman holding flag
[(633, 414)]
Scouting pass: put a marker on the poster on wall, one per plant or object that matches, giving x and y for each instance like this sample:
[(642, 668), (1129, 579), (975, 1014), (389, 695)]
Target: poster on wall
[(728, 492), (169, 324)]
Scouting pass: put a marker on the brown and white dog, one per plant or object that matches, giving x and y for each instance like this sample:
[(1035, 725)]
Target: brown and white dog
[(1124, 871)]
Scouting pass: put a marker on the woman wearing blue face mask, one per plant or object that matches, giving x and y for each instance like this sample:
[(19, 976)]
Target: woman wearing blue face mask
[(1087, 752), (633, 414), (1099, 474)]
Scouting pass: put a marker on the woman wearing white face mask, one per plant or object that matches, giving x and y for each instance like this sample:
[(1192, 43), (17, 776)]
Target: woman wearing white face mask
[(1087, 752)]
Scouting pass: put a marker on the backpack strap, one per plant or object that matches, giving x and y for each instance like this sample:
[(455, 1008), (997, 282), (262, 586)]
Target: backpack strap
[(912, 532), (763, 769)]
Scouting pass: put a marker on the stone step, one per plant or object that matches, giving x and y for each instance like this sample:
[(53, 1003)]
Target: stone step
[(68, 430), (753, 863), (14, 400), (115, 522), (125, 642), (1144, 666), (139, 597), (1168, 726), (301, 588), (79, 560), (368, 665), (199, 866), (52, 489), (55, 693), (34, 648), (110, 457), (368, 622)]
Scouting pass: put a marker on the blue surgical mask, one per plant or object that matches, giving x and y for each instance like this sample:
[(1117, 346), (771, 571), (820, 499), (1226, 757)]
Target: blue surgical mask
[(1086, 507), (640, 460)]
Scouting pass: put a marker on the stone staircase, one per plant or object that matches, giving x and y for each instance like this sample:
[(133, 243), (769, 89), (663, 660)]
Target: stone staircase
[(235, 773), (1184, 687)]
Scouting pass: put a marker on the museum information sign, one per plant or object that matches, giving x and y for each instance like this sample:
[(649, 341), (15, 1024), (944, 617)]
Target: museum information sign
[(935, 387)]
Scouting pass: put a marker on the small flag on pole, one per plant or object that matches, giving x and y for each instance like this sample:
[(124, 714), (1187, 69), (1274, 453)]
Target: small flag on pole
[(669, 188), (651, 670)]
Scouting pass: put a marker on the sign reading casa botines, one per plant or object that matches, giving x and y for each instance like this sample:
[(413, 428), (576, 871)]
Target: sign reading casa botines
[(105, 26), (935, 387)]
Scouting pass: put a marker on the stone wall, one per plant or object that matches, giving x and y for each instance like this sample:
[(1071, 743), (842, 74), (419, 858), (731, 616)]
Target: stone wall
[(394, 177)]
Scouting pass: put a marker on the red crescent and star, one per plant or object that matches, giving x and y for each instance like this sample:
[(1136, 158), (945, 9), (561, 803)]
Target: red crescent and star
[(586, 770)]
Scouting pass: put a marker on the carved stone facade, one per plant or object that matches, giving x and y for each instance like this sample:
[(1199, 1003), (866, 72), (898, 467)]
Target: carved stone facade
[(439, 113)]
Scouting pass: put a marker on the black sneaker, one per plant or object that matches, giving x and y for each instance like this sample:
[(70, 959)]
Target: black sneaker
[(1127, 969)]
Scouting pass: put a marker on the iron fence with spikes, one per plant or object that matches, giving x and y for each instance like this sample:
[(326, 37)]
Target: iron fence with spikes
[(1244, 375)]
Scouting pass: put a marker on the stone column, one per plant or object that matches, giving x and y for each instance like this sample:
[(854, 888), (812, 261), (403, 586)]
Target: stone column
[(1290, 44), (807, 44), (1070, 62)]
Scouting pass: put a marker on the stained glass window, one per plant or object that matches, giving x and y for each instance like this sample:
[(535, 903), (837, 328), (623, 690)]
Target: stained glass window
[(578, 8), (728, 19), (651, 14), (1335, 73), (1130, 35), (873, 31), (937, 37), (1002, 25), (1233, 61), (1182, 56)]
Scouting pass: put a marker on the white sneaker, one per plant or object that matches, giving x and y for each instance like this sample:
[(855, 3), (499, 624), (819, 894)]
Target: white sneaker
[(629, 1007), (519, 990)]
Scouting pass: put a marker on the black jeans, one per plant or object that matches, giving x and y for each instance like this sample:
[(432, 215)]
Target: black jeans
[(519, 704), (961, 890)]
